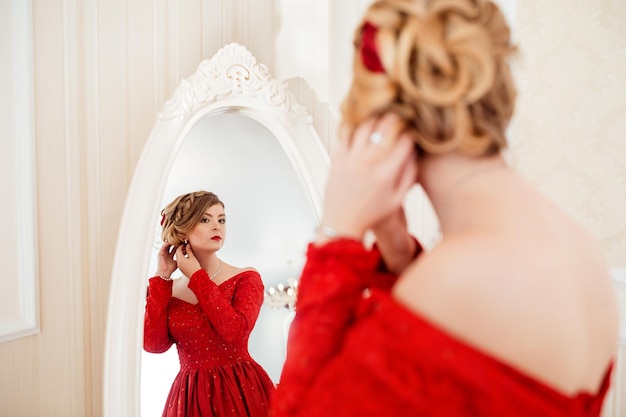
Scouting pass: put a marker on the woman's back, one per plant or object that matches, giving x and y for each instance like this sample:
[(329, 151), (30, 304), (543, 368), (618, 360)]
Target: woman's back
[(515, 277)]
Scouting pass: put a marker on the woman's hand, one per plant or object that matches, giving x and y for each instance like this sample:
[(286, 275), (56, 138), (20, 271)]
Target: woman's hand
[(368, 179), (166, 263), (187, 262)]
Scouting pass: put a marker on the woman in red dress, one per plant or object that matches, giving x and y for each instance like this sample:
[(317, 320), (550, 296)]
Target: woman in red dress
[(208, 313), (512, 313)]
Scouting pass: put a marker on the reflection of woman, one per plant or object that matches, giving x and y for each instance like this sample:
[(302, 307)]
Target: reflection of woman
[(512, 313), (208, 313)]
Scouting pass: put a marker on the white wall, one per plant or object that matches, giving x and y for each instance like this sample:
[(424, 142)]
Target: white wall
[(103, 69)]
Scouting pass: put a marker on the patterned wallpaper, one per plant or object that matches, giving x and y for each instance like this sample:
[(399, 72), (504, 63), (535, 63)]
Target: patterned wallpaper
[(569, 133)]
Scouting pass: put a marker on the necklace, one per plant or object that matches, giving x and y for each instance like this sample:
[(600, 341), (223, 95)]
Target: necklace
[(219, 268)]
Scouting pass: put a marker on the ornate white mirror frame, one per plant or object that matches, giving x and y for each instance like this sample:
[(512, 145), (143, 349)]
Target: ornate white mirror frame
[(231, 81)]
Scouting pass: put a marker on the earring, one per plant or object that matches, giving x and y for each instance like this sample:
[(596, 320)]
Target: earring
[(186, 241)]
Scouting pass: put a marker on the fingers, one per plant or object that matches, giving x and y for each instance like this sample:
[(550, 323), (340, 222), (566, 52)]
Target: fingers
[(181, 252), (185, 260), (362, 133), (166, 263), (184, 252), (188, 253), (404, 155), (165, 249), (380, 133), (408, 174), (394, 147)]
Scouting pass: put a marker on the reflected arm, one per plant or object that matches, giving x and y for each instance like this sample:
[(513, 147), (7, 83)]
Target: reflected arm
[(233, 320), (156, 336)]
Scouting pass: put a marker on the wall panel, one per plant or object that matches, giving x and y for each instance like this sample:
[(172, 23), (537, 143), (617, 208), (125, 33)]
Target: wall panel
[(19, 303)]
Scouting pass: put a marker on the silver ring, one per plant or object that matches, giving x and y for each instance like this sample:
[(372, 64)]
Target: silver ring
[(376, 138)]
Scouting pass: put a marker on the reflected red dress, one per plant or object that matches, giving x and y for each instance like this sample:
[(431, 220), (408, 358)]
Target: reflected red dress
[(217, 376), (357, 352)]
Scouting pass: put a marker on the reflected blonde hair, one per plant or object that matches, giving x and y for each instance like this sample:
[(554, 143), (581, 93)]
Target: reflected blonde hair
[(184, 213), (445, 73)]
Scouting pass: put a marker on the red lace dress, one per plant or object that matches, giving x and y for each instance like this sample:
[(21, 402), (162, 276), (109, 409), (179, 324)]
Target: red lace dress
[(354, 351), (217, 377)]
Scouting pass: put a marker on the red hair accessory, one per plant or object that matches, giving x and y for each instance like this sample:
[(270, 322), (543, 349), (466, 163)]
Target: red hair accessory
[(162, 218), (369, 53)]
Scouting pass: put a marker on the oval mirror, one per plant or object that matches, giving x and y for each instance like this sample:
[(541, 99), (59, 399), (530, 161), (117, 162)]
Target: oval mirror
[(232, 129)]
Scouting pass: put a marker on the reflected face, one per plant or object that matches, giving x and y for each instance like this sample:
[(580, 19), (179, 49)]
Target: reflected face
[(210, 232)]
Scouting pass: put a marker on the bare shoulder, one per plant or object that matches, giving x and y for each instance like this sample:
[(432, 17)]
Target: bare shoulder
[(250, 276), (480, 287), (249, 269), (249, 273), (450, 278), (232, 270), (229, 272)]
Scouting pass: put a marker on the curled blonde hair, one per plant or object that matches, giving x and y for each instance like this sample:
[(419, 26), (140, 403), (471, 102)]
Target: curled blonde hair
[(183, 214), (444, 72)]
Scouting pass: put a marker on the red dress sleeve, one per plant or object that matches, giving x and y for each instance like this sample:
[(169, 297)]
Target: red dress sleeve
[(156, 336), (354, 351), (331, 285), (233, 319)]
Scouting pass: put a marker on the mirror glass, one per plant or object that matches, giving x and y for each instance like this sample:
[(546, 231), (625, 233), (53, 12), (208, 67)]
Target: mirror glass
[(270, 220)]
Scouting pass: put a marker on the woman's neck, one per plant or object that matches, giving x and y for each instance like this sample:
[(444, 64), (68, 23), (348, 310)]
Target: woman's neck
[(457, 185), (209, 262)]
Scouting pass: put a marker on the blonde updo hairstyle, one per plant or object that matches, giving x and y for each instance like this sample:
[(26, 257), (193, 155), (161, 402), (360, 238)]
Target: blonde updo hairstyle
[(184, 213), (444, 71)]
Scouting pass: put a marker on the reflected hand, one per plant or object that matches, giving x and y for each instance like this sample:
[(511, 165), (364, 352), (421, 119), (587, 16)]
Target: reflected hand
[(166, 263), (368, 179), (186, 260)]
